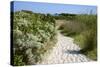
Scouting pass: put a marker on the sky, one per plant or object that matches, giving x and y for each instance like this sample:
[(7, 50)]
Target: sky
[(53, 8)]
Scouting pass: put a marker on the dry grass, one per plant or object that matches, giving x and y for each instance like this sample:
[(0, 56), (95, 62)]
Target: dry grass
[(83, 28)]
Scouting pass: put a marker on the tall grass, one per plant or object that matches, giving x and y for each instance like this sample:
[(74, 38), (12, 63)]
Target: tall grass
[(83, 28), (87, 39)]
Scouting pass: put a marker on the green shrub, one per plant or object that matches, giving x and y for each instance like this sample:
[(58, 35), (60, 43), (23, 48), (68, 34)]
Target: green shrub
[(31, 32), (18, 60)]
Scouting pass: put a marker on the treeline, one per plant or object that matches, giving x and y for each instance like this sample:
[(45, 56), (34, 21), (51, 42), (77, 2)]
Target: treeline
[(64, 16)]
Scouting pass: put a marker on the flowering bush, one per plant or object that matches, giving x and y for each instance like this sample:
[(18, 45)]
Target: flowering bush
[(31, 32)]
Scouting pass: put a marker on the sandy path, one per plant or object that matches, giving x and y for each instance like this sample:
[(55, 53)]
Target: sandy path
[(65, 51)]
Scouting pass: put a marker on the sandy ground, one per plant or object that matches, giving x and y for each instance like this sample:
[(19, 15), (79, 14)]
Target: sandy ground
[(65, 51)]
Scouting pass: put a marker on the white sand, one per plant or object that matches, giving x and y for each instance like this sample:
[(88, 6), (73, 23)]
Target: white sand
[(65, 51)]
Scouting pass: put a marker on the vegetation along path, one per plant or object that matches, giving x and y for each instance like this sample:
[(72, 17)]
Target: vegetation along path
[(65, 51)]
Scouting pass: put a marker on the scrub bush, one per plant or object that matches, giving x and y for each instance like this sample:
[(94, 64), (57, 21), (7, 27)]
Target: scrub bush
[(31, 33)]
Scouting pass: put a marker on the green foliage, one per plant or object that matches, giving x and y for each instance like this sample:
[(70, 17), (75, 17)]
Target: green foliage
[(90, 21), (70, 28), (92, 54), (18, 60), (64, 16), (88, 42), (87, 39), (83, 28), (30, 33)]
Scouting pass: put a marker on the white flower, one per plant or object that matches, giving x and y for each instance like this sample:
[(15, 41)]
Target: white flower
[(32, 37), (17, 32), (19, 42)]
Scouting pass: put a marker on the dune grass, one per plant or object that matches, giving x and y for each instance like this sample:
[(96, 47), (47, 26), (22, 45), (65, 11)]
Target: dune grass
[(84, 31)]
